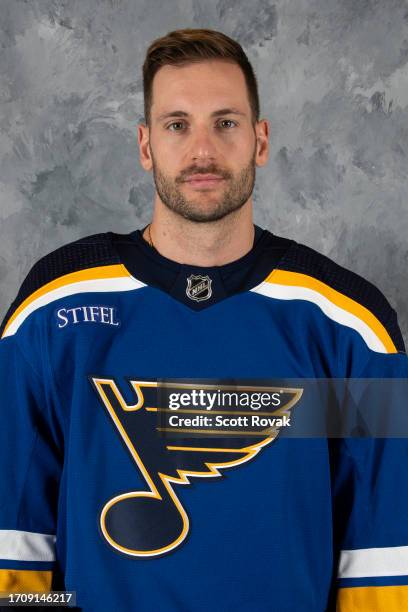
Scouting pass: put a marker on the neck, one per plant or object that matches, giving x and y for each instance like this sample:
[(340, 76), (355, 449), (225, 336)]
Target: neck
[(202, 244)]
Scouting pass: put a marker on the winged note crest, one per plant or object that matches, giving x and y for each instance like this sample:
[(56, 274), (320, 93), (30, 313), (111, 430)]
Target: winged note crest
[(153, 522)]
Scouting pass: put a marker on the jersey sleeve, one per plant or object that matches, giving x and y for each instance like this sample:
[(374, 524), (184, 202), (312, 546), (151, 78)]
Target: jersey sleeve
[(33, 422), (370, 491), (30, 463)]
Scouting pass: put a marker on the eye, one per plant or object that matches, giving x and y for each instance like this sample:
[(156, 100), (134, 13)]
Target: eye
[(175, 123), (229, 121)]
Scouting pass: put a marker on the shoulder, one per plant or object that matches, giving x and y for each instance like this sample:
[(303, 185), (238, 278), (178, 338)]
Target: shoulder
[(344, 296), (86, 264), (85, 253)]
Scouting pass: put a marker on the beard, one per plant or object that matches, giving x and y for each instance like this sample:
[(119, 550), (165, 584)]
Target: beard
[(229, 200)]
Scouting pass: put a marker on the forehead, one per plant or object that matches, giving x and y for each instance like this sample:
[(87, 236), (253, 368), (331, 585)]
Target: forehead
[(199, 85)]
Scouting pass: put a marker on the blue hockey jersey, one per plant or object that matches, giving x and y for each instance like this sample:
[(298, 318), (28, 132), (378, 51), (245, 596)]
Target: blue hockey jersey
[(99, 497)]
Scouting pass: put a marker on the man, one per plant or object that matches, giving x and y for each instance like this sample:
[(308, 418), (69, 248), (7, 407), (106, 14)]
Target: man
[(126, 475)]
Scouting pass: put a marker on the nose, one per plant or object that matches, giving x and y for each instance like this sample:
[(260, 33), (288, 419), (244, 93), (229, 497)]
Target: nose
[(203, 146)]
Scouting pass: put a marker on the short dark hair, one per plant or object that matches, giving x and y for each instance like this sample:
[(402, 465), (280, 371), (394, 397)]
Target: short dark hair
[(196, 45)]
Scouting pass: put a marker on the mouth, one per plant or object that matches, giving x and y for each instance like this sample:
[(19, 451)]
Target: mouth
[(204, 181)]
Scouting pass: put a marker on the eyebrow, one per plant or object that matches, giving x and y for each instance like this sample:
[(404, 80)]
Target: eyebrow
[(217, 113)]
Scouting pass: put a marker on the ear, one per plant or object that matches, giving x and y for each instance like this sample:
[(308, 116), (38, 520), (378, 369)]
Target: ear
[(143, 136), (262, 142)]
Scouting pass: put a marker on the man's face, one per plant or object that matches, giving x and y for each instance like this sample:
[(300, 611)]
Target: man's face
[(202, 142)]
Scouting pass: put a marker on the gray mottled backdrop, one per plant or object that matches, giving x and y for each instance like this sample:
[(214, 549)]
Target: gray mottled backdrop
[(333, 78)]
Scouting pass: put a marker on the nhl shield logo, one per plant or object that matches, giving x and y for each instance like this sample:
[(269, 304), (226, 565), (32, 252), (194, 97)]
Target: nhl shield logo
[(198, 287)]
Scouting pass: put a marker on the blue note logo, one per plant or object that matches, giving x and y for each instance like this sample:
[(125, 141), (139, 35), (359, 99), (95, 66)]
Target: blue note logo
[(151, 520), (105, 315)]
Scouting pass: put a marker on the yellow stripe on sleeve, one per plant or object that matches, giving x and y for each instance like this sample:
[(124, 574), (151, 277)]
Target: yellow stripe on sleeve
[(373, 599), (25, 581)]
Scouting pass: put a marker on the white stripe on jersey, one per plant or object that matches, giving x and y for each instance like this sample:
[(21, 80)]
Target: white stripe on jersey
[(374, 562), (127, 283), (26, 546), (334, 312)]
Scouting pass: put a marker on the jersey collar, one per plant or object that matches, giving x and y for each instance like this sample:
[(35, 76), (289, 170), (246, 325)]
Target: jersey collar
[(200, 287)]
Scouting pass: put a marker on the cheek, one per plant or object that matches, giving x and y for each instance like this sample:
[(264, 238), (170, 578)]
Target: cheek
[(162, 156), (169, 152), (167, 168), (238, 149)]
